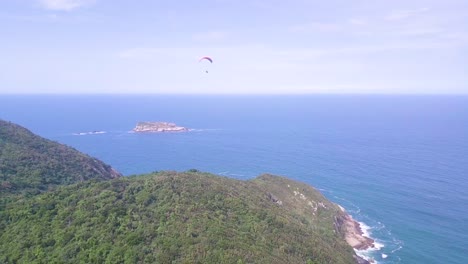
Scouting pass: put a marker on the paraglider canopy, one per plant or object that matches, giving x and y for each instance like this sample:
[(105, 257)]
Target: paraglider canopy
[(206, 58)]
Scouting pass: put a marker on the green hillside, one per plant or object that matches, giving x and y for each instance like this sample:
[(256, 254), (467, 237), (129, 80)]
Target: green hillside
[(173, 217), (58, 205), (30, 163)]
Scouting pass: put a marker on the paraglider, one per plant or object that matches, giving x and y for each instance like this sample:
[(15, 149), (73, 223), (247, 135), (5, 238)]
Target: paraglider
[(205, 58)]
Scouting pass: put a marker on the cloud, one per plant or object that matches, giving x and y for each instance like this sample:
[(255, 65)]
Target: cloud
[(137, 53), (65, 5), (358, 21), (316, 27), (405, 14), (31, 18), (210, 36)]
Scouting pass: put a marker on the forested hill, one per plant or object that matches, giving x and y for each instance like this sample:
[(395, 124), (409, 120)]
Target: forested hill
[(31, 164), (58, 205), (171, 217)]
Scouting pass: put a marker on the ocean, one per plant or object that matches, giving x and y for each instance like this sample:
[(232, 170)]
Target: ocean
[(397, 163)]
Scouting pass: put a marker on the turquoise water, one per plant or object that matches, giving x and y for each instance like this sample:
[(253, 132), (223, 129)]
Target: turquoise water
[(399, 164)]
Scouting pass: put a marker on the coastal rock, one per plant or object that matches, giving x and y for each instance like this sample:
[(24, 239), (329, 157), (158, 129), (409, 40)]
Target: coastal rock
[(353, 233), (158, 127)]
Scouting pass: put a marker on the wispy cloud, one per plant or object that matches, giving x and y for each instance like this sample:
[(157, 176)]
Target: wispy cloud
[(135, 53), (316, 27), (358, 21), (405, 14), (30, 18), (65, 5), (268, 56), (400, 29), (210, 36)]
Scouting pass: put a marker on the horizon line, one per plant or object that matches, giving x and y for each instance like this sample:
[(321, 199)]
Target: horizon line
[(238, 94)]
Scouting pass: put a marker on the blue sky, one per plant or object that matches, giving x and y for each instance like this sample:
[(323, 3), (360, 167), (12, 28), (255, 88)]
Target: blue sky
[(258, 46)]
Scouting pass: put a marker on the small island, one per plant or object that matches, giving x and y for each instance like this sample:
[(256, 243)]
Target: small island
[(158, 127)]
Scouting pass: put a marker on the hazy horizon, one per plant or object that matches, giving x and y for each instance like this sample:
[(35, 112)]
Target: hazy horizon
[(243, 94)]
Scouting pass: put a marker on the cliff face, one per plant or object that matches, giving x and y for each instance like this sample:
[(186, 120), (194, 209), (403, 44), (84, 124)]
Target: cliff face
[(31, 163), (158, 127)]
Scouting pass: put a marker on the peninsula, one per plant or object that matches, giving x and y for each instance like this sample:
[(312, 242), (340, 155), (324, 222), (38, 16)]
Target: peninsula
[(158, 127)]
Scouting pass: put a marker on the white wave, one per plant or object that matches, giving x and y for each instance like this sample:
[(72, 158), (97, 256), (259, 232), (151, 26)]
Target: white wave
[(204, 129), (385, 237), (384, 256), (363, 254), (370, 253), (378, 245), (365, 229), (347, 203), (379, 226), (89, 133), (397, 249), (367, 232)]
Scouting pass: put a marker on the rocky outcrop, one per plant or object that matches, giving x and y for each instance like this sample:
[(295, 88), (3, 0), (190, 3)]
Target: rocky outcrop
[(158, 127), (352, 231)]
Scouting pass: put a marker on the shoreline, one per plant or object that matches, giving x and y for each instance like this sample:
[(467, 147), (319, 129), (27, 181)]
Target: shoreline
[(354, 234), (356, 238)]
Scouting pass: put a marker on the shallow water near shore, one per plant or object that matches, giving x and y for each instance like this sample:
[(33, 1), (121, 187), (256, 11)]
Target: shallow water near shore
[(398, 164)]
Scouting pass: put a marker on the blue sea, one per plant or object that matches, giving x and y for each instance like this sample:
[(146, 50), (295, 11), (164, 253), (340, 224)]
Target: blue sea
[(398, 164)]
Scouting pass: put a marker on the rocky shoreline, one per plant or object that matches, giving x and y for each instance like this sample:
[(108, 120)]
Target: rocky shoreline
[(354, 236), (158, 127)]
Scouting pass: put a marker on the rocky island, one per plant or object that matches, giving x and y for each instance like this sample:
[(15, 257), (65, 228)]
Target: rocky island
[(158, 127)]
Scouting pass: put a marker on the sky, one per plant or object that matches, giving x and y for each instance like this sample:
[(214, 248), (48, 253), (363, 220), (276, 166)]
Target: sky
[(257, 46)]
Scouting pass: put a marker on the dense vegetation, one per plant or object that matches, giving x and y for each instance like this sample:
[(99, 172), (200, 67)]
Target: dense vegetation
[(31, 164), (173, 217), (58, 205)]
